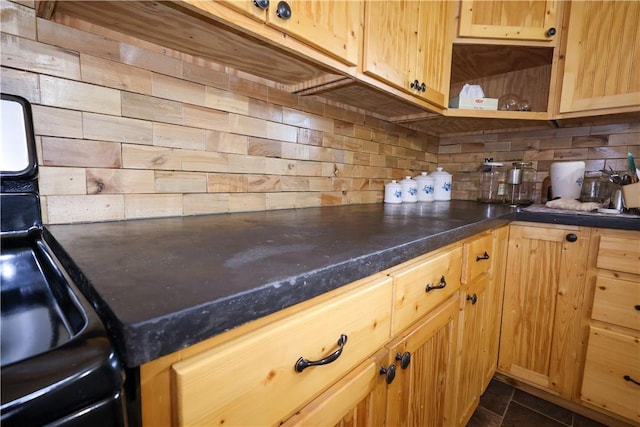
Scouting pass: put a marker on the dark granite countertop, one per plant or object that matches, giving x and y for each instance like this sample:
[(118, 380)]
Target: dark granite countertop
[(164, 284)]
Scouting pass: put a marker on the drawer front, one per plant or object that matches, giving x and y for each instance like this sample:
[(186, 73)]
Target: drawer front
[(252, 380), (477, 258), (619, 253), (617, 301), (411, 299), (612, 357)]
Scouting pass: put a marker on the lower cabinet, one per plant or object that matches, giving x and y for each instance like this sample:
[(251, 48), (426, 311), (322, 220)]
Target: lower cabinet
[(542, 317), (358, 400), (611, 380), (422, 393), (400, 348), (480, 308)]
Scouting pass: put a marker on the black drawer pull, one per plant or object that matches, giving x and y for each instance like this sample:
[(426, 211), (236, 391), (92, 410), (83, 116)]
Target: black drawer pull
[(303, 363), (637, 307), (473, 298), (404, 359), (485, 256), (628, 378), (389, 372), (442, 284)]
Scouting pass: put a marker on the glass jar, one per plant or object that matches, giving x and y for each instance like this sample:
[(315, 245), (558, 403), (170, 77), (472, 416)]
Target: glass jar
[(520, 184), (492, 182)]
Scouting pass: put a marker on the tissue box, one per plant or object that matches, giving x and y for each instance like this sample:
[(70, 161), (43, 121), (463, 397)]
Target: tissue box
[(468, 103), (631, 195)]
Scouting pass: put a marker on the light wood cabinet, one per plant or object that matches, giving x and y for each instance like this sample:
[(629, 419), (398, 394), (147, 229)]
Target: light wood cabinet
[(333, 26), (611, 380), (474, 307), (493, 315), (422, 394), (407, 46), (543, 299), (602, 63), (510, 20), (424, 283), (480, 305), (357, 400), (254, 394)]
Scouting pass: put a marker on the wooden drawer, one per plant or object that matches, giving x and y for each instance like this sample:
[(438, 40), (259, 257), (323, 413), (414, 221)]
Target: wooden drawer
[(252, 380), (476, 258), (617, 301), (619, 253), (612, 357), (411, 299)]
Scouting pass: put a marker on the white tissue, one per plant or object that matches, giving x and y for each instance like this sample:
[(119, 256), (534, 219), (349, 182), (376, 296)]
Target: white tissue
[(471, 91)]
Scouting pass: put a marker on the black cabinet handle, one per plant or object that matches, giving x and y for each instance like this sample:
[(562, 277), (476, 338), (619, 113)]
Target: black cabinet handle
[(628, 378), (637, 307), (405, 359), (480, 258), (442, 284), (261, 4), (571, 237), (415, 84), (389, 372), (284, 10), (423, 87), (303, 363), (473, 298), (551, 32)]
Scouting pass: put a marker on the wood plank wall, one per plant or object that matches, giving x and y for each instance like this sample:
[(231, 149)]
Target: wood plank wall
[(599, 146), (126, 129), (131, 130)]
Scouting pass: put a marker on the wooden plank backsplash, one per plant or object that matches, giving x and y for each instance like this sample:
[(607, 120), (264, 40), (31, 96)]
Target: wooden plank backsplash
[(126, 129)]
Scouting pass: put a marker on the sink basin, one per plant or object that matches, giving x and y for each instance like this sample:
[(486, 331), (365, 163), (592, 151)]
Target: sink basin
[(39, 312)]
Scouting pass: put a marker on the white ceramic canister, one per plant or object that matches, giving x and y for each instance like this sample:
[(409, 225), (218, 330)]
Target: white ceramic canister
[(393, 192), (442, 185), (409, 190), (425, 187)]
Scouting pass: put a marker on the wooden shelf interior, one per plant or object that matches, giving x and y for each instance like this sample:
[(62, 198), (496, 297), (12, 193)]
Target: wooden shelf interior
[(521, 70)]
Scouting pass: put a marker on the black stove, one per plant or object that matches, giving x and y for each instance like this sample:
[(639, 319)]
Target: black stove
[(58, 366)]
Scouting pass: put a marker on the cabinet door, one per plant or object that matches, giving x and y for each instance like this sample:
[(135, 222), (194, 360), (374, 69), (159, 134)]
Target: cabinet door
[(432, 65), (602, 58), (492, 315), (422, 394), (332, 26), (358, 400), (470, 375), (510, 20), (612, 372), (541, 321), (390, 40)]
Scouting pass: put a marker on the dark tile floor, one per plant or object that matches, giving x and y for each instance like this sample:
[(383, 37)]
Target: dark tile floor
[(502, 405)]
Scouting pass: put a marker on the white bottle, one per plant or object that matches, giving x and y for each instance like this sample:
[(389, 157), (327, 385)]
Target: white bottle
[(442, 187), (393, 192), (425, 187), (409, 190)]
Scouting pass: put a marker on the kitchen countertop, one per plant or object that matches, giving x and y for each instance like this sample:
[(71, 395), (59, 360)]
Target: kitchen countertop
[(163, 284)]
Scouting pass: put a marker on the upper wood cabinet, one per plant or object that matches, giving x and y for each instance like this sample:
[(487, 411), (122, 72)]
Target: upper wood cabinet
[(509, 20), (332, 26), (602, 57), (407, 46)]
